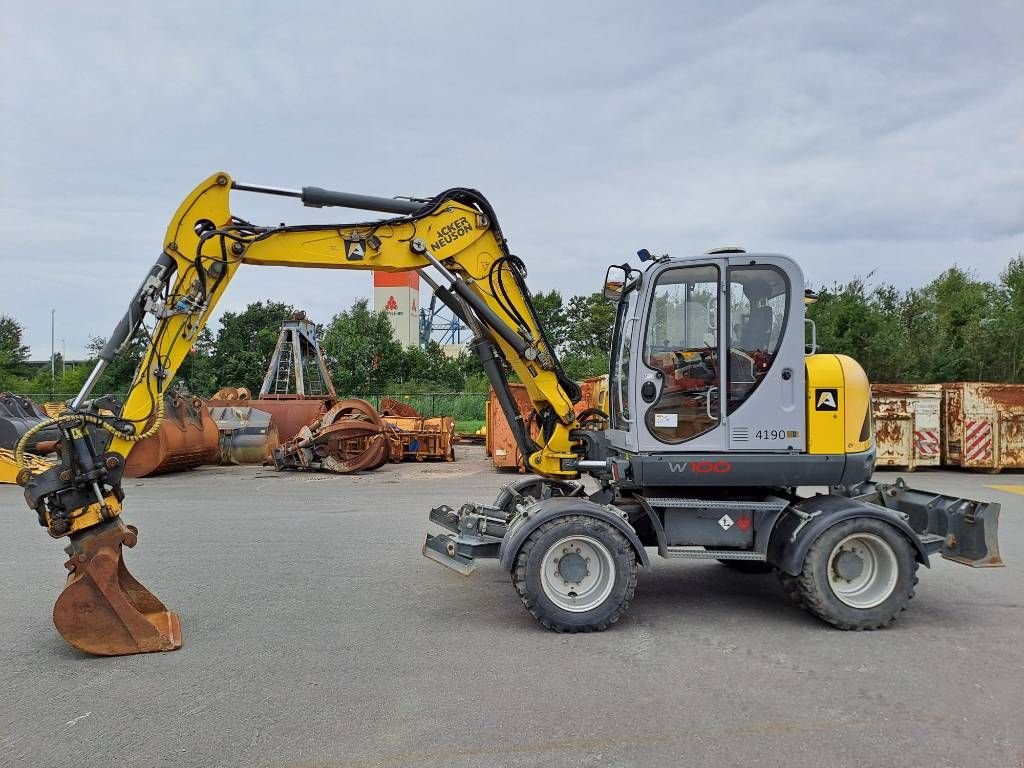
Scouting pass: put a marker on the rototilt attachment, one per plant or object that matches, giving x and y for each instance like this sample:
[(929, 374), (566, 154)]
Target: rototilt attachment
[(103, 609)]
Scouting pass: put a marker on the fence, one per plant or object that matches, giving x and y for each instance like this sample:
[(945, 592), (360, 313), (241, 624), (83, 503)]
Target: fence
[(459, 405)]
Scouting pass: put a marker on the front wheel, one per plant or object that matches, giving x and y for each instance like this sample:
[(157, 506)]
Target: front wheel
[(858, 575), (576, 574), (528, 489)]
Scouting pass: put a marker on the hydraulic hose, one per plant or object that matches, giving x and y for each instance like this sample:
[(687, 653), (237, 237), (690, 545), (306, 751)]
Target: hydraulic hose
[(66, 420)]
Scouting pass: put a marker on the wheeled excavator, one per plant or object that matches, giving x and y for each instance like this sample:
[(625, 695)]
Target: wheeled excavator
[(719, 412)]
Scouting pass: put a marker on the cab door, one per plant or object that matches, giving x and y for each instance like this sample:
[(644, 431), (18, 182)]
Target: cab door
[(680, 377), (765, 354)]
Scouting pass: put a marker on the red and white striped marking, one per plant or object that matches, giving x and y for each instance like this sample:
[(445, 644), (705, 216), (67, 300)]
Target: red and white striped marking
[(926, 442), (978, 440)]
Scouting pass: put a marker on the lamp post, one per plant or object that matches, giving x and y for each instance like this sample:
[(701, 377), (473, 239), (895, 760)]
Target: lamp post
[(53, 356)]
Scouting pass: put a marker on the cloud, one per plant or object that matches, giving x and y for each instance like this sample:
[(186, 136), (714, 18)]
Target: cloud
[(846, 135)]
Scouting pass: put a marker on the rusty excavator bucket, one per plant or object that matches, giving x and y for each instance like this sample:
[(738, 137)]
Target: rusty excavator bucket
[(103, 609)]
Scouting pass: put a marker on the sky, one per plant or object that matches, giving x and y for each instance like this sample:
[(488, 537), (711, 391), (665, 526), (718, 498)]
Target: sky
[(883, 138)]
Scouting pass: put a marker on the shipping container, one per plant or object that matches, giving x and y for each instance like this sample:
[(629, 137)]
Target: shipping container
[(500, 443), (908, 426), (983, 425)]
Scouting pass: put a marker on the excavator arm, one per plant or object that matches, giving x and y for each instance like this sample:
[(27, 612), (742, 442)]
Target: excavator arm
[(453, 240)]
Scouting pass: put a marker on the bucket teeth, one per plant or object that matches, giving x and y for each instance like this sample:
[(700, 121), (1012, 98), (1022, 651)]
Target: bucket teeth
[(104, 610)]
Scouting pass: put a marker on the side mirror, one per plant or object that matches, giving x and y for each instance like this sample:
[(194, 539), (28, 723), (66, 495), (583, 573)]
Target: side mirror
[(614, 282)]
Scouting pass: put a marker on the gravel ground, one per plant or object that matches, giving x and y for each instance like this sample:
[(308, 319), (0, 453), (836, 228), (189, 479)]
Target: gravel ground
[(317, 635)]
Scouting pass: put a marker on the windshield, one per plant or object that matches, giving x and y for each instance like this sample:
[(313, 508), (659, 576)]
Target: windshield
[(619, 405)]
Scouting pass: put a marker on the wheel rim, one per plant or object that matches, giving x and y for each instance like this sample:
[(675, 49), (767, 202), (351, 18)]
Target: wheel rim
[(862, 570), (577, 573)]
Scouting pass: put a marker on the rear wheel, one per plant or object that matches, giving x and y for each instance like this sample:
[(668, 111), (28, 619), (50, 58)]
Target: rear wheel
[(576, 574), (858, 575)]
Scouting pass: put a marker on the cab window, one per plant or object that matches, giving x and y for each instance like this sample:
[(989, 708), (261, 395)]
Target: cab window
[(681, 341), (758, 310)]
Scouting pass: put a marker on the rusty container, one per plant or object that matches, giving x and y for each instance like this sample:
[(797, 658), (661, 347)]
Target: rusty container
[(187, 438), (599, 392), (247, 435), (983, 425), (908, 426), (586, 396), (500, 443), (594, 395)]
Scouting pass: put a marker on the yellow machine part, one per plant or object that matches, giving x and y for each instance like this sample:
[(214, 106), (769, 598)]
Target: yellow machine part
[(838, 405), (9, 468)]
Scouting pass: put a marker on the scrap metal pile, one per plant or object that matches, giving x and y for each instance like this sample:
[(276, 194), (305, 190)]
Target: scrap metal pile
[(350, 437), (316, 430), (420, 438), (296, 422), (353, 436)]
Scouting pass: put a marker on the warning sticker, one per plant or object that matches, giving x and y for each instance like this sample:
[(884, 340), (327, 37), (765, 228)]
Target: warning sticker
[(666, 420), (726, 522)]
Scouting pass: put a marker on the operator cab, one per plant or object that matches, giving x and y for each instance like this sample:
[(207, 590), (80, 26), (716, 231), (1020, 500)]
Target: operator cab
[(708, 354)]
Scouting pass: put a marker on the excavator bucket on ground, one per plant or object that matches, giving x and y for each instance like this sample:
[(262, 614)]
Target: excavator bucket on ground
[(18, 415), (103, 609)]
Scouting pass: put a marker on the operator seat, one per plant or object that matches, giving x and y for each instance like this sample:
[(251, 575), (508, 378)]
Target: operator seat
[(757, 333)]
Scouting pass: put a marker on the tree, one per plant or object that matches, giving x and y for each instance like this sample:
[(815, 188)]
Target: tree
[(118, 375), (362, 353), (550, 309), (590, 320), (429, 368), (199, 371), (13, 354), (1007, 323), (866, 325), (956, 328), (962, 344), (245, 343)]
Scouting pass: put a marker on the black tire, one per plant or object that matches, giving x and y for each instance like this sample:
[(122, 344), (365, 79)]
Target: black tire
[(812, 589), (526, 574), (747, 566), (535, 487), (790, 587)]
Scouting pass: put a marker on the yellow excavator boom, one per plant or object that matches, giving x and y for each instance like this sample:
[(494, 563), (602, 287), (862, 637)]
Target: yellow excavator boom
[(453, 240)]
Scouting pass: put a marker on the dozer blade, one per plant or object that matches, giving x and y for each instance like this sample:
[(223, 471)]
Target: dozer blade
[(962, 530), (103, 609)]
